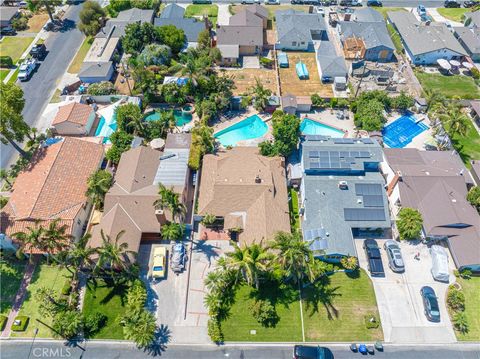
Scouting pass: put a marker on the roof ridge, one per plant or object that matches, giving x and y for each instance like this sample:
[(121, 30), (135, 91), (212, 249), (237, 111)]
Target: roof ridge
[(128, 215)]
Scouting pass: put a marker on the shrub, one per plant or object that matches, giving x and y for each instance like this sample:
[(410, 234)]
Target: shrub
[(208, 219), (349, 262), (215, 331), (6, 61), (460, 322), (465, 274), (317, 101), (264, 312), (23, 323), (475, 73), (94, 322), (20, 23), (3, 321), (101, 88), (455, 299), (195, 157), (67, 287), (266, 62), (371, 321)]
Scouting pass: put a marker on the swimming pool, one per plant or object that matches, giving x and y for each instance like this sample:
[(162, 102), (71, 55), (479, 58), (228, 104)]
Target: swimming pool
[(402, 131), (105, 130), (181, 118), (311, 127), (248, 129)]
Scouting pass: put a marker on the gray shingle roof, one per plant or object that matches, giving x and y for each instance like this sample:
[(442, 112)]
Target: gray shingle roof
[(373, 33), (368, 14), (298, 24), (95, 69), (331, 64), (245, 18), (240, 35), (470, 39), (422, 39), (8, 12), (172, 11), (134, 15), (191, 27)]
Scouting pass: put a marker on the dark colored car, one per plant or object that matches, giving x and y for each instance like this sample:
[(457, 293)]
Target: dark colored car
[(311, 352), (9, 31), (38, 51), (178, 257), (430, 303), (469, 3), (372, 251), (375, 3), (451, 3), (395, 260)]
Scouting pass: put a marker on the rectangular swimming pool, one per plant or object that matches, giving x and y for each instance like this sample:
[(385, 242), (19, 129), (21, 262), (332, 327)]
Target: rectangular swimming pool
[(250, 128), (402, 131)]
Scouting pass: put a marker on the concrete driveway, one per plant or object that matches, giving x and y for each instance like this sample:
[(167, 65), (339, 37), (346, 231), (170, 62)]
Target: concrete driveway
[(178, 304), (223, 17), (399, 300)]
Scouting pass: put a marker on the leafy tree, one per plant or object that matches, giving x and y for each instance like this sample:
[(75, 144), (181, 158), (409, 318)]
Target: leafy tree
[(12, 126), (286, 130), (155, 54), (161, 127), (169, 199), (409, 223), (98, 185), (49, 5), (173, 94), (3, 201), (112, 255), (473, 196), (370, 115), (137, 35), (402, 102), (31, 239), (204, 40), (349, 262), (172, 231), (68, 324), (115, 6), (121, 142), (267, 148), (5, 176), (171, 36), (91, 18), (130, 118), (145, 82), (101, 88), (264, 312), (317, 101), (261, 95)]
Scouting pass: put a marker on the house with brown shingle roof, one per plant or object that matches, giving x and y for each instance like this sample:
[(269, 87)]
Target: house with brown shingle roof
[(246, 191), (74, 119), (53, 187)]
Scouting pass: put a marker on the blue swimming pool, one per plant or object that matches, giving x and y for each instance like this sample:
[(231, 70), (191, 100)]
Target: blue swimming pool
[(402, 131), (311, 127), (248, 129), (181, 118), (105, 130)]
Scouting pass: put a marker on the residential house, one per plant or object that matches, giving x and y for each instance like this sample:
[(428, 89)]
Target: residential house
[(436, 184), (129, 202), (330, 65), (52, 188), (247, 192), (297, 30), (173, 14), (475, 111), (342, 195), (74, 119), (369, 26), (7, 14), (472, 19), (469, 38), (292, 104), (92, 72), (425, 44)]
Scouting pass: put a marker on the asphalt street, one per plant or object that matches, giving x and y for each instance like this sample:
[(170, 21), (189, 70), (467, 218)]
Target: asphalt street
[(62, 47)]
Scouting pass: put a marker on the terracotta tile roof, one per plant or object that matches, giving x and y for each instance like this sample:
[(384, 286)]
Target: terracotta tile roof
[(248, 190), (74, 112)]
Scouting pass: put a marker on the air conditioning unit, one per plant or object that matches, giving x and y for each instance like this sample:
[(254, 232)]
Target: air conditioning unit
[(343, 185)]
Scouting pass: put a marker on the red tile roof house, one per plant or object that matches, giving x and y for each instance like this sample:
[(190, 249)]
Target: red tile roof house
[(53, 187), (74, 119)]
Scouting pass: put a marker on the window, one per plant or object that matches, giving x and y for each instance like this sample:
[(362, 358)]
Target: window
[(303, 42), (294, 43)]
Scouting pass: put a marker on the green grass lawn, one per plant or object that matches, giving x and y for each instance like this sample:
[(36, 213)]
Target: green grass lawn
[(450, 86), (76, 64), (471, 289), (384, 10), (14, 77), (343, 319), (468, 147), (293, 206), (288, 329), (14, 46), (44, 276), (197, 10), (11, 274), (109, 301), (396, 38), (454, 14), (3, 74)]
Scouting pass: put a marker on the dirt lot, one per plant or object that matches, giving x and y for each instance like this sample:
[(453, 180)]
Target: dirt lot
[(245, 79), (290, 83), (36, 22)]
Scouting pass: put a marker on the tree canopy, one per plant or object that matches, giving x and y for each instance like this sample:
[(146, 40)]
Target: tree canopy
[(121, 142), (370, 115), (171, 36), (91, 18), (12, 126), (473, 196), (127, 115), (286, 131), (155, 54), (409, 223), (137, 35)]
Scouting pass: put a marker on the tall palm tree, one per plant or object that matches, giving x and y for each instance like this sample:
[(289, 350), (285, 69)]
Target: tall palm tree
[(261, 95), (112, 255), (167, 120), (433, 97), (170, 200), (456, 122), (55, 238), (98, 185), (31, 239), (78, 254), (138, 126)]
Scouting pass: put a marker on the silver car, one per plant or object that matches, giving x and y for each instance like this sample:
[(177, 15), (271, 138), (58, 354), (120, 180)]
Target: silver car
[(395, 260)]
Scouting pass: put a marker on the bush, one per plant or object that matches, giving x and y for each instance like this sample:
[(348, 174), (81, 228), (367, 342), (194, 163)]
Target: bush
[(195, 157), (465, 274), (460, 322), (349, 263), (455, 299), (371, 321), (67, 287), (20, 23), (3, 321), (215, 331), (6, 61), (475, 73), (101, 88), (94, 322), (264, 312), (23, 323), (266, 62)]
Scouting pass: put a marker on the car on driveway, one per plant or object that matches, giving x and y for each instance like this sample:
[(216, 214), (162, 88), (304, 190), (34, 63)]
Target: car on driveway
[(469, 3), (374, 258), (178, 257), (394, 255), (159, 257), (451, 4), (375, 3), (38, 51), (421, 10), (430, 304), (311, 352)]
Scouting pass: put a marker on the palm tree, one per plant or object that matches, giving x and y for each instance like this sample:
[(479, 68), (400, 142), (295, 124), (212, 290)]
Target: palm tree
[(138, 126), (55, 238), (261, 95), (4, 175), (140, 327), (112, 255), (170, 200), (172, 231), (31, 239), (98, 185), (167, 120), (76, 255), (433, 97)]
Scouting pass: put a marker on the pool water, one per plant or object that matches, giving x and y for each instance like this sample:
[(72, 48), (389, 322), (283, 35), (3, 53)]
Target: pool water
[(402, 131), (250, 128), (181, 118), (311, 127), (105, 130)]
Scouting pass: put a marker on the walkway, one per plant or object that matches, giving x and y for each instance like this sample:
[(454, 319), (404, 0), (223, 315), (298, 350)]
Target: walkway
[(20, 297)]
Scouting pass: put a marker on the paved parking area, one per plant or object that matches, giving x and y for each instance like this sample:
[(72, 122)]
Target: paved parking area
[(168, 297), (399, 300)]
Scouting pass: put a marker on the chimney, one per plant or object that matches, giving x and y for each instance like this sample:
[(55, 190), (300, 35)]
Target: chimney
[(393, 183), (160, 214), (258, 179)]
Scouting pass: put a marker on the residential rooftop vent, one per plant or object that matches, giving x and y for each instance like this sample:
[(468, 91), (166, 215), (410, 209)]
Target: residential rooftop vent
[(343, 185), (258, 179)]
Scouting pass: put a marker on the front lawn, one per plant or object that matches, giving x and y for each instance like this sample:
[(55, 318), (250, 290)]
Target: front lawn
[(471, 289), (196, 10), (337, 314), (77, 62), (454, 14), (3, 74), (468, 147), (293, 206), (450, 86), (110, 301), (11, 274), (49, 276), (14, 46), (384, 10)]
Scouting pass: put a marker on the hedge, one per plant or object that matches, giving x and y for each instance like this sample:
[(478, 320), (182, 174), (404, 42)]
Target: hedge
[(67, 287), (3, 321), (23, 323), (6, 61)]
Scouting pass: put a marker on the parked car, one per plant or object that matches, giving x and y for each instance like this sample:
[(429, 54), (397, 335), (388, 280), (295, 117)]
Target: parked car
[(470, 3), (250, 2), (311, 352), (372, 251), (376, 3), (440, 269), (26, 69), (421, 10), (158, 269), (272, 2), (8, 30), (394, 255), (430, 304), (38, 51), (178, 257), (206, 2), (451, 3)]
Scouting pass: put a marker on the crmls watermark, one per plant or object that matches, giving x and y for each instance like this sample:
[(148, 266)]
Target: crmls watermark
[(51, 353)]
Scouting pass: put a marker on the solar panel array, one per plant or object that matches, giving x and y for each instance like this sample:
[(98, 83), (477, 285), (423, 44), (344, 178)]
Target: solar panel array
[(311, 234), (373, 200), (364, 214), (362, 189), (335, 159)]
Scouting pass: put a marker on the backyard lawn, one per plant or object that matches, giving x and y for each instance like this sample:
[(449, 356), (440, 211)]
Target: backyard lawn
[(454, 14), (450, 86), (48, 276), (396, 38), (468, 147), (293, 206), (14, 46), (471, 289), (108, 300), (199, 11), (11, 273), (245, 79), (76, 64)]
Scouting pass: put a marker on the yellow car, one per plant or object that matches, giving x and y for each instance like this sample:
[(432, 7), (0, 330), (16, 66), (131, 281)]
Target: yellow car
[(159, 255)]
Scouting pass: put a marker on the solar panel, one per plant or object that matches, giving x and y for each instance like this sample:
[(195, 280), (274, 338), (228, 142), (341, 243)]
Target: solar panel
[(335, 164), (313, 154), (343, 140), (345, 165), (364, 214), (362, 189), (364, 154), (334, 154), (373, 201), (323, 153), (311, 234), (316, 138), (367, 141), (354, 154), (314, 164), (344, 153)]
